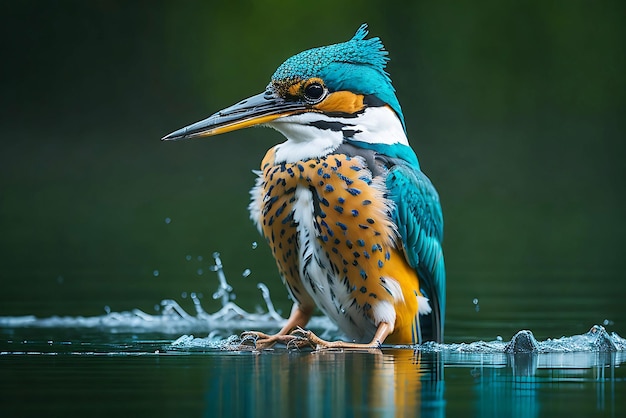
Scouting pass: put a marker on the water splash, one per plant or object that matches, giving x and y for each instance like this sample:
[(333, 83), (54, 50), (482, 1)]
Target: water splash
[(595, 340), (232, 319), (224, 290), (173, 319)]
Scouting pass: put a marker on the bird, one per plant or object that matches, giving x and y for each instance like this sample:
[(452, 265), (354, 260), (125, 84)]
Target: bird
[(354, 225)]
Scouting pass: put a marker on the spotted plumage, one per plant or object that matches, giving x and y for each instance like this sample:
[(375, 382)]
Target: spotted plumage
[(354, 225)]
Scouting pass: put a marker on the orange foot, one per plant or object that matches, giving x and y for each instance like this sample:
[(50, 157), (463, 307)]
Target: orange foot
[(320, 344), (261, 341)]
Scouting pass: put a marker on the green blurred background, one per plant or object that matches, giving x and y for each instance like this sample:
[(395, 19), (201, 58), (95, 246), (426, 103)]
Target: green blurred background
[(516, 111)]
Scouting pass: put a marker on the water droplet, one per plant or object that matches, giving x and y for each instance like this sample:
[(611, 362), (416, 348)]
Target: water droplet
[(183, 295), (200, 271), (168, 220), (199, 258), (476, 305), (107, 309), (188, 257), (499, 338), (155, 273), (157, 307), (254, 245), (246, 273)]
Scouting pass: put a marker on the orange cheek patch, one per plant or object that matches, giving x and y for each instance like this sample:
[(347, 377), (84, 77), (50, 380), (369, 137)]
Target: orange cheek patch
[(294, 89), (341, 101)]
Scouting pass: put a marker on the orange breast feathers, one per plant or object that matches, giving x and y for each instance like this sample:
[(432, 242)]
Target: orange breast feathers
[(354, 238)]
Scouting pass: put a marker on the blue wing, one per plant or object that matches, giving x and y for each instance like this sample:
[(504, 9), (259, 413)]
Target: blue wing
[(420, 225)]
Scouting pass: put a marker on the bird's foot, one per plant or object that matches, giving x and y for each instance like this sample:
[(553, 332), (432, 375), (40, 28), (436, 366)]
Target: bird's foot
[(320, 344), (309, 336), (314, 341), (257, 340)]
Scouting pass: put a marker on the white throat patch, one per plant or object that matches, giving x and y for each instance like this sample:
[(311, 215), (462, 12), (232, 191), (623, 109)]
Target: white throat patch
[(313, 135)]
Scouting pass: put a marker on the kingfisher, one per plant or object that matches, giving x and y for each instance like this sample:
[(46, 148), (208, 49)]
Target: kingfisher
[(354, 225)]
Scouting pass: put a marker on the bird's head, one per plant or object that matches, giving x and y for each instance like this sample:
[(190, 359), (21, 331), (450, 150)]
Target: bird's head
[(319, 99)]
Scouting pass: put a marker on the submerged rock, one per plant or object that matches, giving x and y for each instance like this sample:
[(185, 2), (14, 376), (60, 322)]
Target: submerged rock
[(522, 342), (601, 340)]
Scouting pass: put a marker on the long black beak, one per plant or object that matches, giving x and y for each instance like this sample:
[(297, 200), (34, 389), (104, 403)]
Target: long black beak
[(259, 109)]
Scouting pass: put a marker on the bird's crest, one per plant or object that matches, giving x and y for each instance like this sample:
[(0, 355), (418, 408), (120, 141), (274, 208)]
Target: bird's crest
[(358, 50), (357, 65)]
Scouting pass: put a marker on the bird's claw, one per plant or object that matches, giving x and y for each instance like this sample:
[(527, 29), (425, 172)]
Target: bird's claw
[(299, 338), (258, 341), (253, 336), (306, 337), (309, 338)]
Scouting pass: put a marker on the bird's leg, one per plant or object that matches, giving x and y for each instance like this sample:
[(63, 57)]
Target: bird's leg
[(299, 317), (384, 329)]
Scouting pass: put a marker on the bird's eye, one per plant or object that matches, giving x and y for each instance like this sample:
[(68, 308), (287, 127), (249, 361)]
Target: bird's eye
[(314, 92)]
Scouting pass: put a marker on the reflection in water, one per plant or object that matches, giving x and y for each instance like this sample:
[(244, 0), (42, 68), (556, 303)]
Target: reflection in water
[(396, 383), (509, 391), (515, 390), (202, 379), (403, 382)]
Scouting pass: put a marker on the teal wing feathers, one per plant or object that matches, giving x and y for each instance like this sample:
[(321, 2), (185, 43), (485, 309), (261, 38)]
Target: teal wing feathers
[(418, 215)]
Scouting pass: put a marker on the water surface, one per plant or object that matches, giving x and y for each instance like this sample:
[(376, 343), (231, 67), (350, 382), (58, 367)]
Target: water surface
[(122, 374), (141, 364)]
